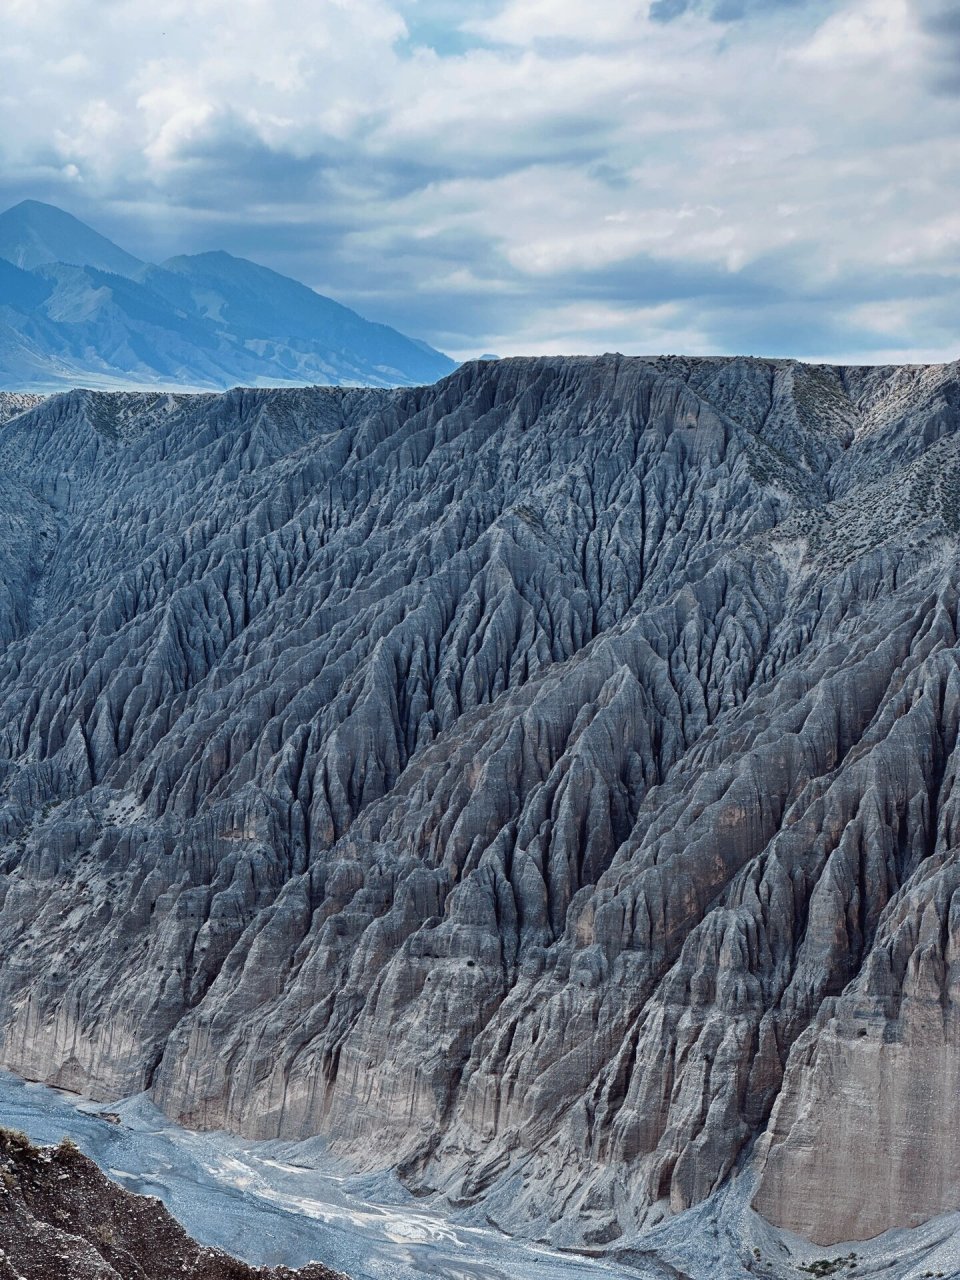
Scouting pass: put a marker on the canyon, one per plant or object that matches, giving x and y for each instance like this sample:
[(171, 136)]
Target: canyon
[(540, 783)]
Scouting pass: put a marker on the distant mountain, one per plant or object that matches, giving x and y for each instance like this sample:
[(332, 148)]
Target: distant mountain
[(77, 309), (33, 234), (252, 301)]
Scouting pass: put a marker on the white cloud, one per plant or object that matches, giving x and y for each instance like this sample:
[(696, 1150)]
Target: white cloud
[(875, 31), (595, 327), (529, 22)]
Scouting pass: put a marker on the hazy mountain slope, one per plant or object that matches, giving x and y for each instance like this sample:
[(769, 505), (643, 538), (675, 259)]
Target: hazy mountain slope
[(87, 313), (283, 321), (21, 290), (33, 234), (97, 324), (543, 780)]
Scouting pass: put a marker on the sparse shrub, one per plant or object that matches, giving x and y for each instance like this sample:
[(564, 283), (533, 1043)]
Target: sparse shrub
[(829, 1266), (67, 1148), (14, 1142)]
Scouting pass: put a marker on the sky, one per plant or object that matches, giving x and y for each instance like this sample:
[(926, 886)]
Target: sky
[(766, 177)]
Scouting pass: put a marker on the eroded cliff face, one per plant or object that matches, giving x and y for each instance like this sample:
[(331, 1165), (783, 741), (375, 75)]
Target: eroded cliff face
[(543, 781)]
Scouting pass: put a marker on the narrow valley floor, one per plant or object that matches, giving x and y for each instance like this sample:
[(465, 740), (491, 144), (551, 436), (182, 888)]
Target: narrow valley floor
[(273, 1203)]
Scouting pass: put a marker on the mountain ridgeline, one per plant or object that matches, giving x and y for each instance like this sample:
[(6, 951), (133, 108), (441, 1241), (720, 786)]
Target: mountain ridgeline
[(77, 309), (543, 782)]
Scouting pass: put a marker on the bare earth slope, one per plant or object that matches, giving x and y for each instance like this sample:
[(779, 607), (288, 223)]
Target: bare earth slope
[(542, 781)]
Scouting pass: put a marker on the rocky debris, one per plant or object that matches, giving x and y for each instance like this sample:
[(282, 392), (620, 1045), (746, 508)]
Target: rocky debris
[(541, 782), (60, 1217)]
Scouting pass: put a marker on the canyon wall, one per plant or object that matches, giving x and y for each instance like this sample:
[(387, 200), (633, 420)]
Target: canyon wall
[(542, 782)]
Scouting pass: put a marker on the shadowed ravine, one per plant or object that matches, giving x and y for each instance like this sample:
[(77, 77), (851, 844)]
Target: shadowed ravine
[(541, 782)]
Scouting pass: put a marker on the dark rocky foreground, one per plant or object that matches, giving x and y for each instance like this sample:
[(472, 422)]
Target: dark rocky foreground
[(542, 782), (61, 1219)]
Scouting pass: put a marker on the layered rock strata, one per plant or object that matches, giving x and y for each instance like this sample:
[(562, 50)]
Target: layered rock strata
[(542, 781)]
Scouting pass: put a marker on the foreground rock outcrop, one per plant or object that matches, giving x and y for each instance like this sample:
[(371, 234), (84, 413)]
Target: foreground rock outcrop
[(60, 1217), (543, 781)]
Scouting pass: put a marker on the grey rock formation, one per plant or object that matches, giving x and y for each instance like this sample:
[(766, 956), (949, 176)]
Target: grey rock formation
[(542, 782), (13, 403)]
